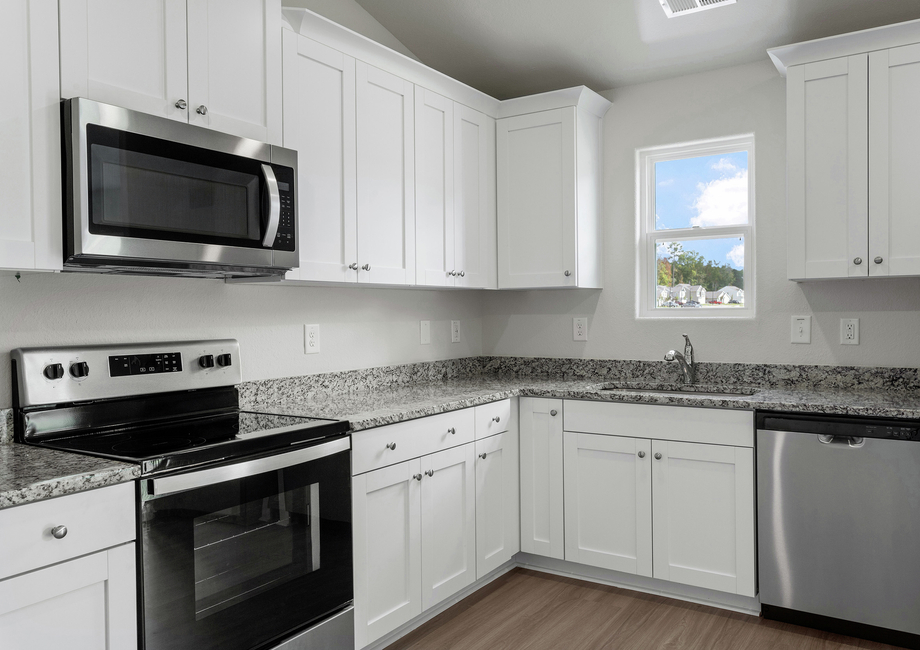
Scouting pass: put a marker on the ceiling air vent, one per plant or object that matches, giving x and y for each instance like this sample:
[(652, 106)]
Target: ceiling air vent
[(682, 7)]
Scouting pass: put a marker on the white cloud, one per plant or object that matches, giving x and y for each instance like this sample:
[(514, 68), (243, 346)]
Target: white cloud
[(722, 202), (666, 182), (724, 165), (736, 255)]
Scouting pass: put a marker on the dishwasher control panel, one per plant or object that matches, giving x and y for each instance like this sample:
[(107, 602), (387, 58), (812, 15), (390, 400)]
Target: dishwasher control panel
[(835, 426)]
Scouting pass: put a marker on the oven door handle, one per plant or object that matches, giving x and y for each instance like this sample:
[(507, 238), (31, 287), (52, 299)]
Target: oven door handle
[(160, 487), (274, 206)]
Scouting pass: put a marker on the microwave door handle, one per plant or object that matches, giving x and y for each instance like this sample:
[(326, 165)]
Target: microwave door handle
[(181, 482), (274, 206)]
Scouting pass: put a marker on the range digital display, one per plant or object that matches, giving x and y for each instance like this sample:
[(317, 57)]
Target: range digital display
[(145, 364)]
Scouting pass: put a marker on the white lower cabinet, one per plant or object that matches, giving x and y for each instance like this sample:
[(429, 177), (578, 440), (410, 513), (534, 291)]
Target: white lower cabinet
[(498, 513), (542, 531)]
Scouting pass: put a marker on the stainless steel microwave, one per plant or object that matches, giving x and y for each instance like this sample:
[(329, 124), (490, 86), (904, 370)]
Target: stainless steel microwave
[(153, 196)]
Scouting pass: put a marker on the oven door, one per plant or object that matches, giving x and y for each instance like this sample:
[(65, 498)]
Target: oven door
[(240, 556)]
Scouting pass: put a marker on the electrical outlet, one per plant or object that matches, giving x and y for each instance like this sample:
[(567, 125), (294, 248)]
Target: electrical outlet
[(311, 339), (849, 331), (425, 330), (580, 329), (801, 329), (455, 331)]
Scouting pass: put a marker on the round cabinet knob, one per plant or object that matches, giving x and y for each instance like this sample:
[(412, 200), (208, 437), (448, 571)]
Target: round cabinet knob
[(429, 473), (641, 454), (553, 412), (224, 360), (658, 456), (53, 371), (417, 477), (206, 361), (366, 267), (879, 260), (353, 266), (496, 419), (79, 370), (391, 446), (462, 274), (482, 455), (452, 273), (452, 431), (202, 110), (568, 273), (59, 532), (857, 261), (181, 104)]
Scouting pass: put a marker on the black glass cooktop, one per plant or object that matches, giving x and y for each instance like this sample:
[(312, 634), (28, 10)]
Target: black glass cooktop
[(193, 441)]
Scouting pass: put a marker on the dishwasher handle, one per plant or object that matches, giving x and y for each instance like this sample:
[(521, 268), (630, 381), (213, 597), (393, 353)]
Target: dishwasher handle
[(853, 442)]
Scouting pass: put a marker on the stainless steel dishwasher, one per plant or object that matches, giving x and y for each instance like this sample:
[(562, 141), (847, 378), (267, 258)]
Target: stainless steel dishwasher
[(839, 524)]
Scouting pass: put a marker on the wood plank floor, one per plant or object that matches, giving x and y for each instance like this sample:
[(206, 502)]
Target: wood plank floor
[(529, 610)]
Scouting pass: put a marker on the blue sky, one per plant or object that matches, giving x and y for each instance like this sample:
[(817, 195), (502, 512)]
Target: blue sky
[(707, 191)]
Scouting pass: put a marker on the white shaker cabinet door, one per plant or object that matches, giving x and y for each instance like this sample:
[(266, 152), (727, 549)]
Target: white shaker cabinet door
[(498, 513), (827, 169), (448, 523), (608, 502), (894, 158), (386, 177), (234, 67), (84, 604), (537, 200), (319, 123), (30, 130), (703, 505), (387, 549), (434, 189), (130, 54), (474, 199), (542, 529)]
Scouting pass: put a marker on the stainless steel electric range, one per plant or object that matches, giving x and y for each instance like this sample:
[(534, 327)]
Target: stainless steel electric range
[(244, 518)]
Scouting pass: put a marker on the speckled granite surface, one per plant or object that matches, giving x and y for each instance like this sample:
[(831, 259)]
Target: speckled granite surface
[(31, 473)]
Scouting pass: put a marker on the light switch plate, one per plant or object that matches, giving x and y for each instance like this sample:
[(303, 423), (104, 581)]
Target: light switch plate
[(801, 329), (311, 339), (425, 330), (849, 331)]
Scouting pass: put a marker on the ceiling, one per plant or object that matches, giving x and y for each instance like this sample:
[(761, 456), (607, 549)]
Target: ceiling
[(509, 48)]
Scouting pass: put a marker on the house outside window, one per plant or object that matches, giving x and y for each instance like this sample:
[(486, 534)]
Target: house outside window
[(695, 212)]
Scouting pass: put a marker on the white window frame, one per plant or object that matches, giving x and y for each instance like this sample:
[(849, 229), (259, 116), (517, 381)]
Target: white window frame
[(647, 237)]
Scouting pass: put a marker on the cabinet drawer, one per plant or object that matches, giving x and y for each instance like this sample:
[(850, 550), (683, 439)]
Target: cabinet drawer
[(95, 520), (492, 418), (411, 439), (685, 424)]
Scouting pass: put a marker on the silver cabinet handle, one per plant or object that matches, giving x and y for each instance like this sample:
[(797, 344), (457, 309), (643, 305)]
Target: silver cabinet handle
[(181, 104), (857, 261), (568, 273), (429, 473), (879, 260), (482, 455), (366, 267), (391, 446), (59, 532), (202, 110), (553, 412), (658, 456), (462, 274), (353, 266), (452, 431), (641, 454), (274, 206), (496, 419), (417, 477)]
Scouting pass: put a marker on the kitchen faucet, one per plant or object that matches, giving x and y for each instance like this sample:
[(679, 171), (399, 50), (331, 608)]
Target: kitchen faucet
[(685, 360)]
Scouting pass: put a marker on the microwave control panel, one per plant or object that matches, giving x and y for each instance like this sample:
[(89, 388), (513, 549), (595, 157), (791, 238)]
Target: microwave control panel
[(285, 240)]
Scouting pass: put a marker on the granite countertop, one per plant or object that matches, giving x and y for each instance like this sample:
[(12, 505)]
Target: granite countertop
[(31, 473), (373, 408)]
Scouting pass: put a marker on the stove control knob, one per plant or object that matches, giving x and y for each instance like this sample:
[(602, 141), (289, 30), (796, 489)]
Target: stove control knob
[(53, 371), (224, 360), (79, 370), (206, 361)]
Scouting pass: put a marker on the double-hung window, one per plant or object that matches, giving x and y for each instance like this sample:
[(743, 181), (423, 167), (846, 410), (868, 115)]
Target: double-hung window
[(696, 229)]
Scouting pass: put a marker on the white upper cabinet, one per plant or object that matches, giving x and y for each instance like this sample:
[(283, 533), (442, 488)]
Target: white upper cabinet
[(385, 176), (30, 130), (852, 152), (212, 63), (319, 122), (549, 190)]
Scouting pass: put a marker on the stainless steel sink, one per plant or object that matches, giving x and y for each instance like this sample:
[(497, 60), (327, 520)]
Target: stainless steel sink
[(684, 391)]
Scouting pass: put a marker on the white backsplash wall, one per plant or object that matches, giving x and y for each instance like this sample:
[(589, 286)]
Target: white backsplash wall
[(359, 328), (731, 101)]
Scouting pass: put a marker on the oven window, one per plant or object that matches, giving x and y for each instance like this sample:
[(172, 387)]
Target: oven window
[(245, 550)]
